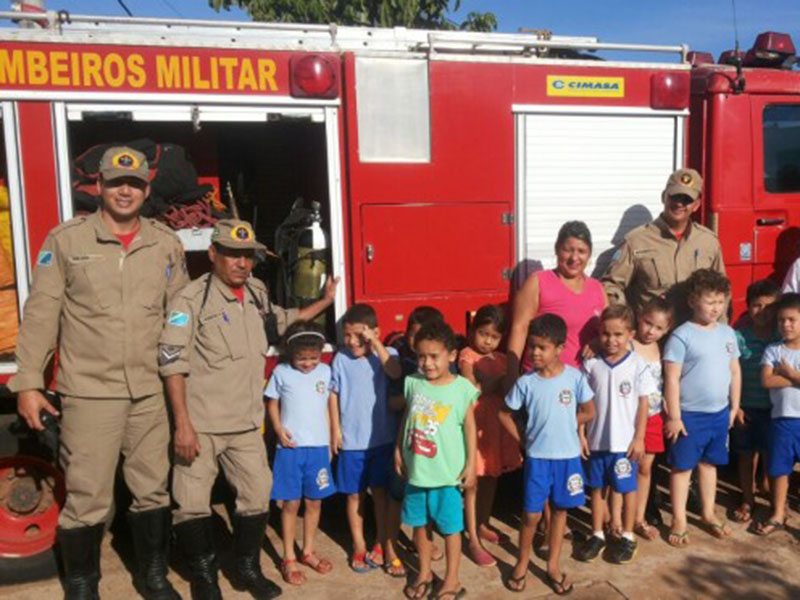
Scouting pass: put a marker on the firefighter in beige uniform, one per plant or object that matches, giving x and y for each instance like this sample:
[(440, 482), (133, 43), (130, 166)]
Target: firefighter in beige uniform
[(212, 356), (99, 295), (656, 259)]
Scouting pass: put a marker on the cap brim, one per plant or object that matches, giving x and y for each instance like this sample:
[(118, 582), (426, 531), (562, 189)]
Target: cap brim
[(682, 190), (257, 246)]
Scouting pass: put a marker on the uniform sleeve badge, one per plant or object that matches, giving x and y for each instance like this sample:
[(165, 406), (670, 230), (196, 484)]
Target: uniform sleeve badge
[(178, 319), (45, 258)]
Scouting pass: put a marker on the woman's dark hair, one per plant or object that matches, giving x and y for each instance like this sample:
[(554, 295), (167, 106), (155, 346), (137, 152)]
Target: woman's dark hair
[(549, 326), (574, 229), (490, 314), (437, 331), (301, 335)]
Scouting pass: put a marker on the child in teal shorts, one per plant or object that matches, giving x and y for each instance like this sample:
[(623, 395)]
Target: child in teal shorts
[(436, 451)]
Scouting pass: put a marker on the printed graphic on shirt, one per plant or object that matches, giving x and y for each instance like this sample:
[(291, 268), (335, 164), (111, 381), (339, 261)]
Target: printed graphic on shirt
[(426, 417), (623, 468), (321, 387), (178, 319), (575, 484), (729, 348), (323, 479), (565, 397), (45, 258), (625, 388)]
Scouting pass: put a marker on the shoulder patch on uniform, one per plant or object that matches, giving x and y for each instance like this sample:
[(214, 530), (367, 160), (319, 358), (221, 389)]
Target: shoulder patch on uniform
[(69, 224), (45, 258), (178, 319)]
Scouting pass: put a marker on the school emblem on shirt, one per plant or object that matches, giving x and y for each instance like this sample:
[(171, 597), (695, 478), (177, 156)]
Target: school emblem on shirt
[(625, 389), (565, 397), (623, 468), (729, 348), (320, 387), (575, 484), (426, 417), (323, 479)]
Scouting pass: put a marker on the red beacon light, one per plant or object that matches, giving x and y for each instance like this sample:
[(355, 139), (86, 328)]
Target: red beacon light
[(670, 90), (313, 76), (771, 49), (731, 57), (697, 59)]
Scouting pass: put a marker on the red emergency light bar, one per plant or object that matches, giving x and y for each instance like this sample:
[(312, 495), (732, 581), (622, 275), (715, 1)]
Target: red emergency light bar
[(731, 57), (771, 49), (669, 90), (700, 58), (313, 76)]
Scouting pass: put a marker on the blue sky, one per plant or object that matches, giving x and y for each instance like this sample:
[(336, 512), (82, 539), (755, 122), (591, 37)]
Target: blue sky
[(703, 24)]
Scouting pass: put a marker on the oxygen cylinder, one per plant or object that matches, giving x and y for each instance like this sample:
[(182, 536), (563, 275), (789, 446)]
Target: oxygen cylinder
[(310, 266)]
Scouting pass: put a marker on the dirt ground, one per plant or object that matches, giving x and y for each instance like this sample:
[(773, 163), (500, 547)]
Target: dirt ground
[(745, 566)]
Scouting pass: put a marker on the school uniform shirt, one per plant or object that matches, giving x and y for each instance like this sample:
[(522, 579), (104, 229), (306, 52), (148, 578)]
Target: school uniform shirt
[(434, 448), (362, 386), (751, 353), (655, 400), (785, 401), (705, 356), (303, 402), (551, 404), (617, 388)]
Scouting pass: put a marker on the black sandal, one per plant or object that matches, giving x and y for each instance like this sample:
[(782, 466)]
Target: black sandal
[(521, 581), (418, 591), (558, 586)]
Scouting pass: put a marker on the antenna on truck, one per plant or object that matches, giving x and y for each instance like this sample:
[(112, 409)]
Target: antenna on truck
[(739, 83)]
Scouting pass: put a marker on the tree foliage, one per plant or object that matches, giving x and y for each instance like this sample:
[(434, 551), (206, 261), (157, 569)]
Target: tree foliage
[(423, 14)]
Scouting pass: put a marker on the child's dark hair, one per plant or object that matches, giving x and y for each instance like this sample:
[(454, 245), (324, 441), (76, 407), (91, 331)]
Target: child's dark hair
[(618, 311), (574, 229), (705, 281), (549, 326), (422, 315), (789, 301), (490, 314), (761, 288), (658, 304), (436, 331), (302, 335), (361, 314)]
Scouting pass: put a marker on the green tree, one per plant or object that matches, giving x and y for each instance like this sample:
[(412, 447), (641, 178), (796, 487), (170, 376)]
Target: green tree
[(423, 14)]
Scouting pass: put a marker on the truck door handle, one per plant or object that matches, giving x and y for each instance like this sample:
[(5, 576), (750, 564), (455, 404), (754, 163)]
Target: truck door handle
[(370, 252), (770, 222)]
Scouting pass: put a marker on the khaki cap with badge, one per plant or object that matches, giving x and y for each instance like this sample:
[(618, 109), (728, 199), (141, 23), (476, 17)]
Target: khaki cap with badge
[(121, 161), (684, 182), (237, 235)]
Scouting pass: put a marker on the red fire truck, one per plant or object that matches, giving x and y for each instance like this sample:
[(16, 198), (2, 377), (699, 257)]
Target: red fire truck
[(443, 162)]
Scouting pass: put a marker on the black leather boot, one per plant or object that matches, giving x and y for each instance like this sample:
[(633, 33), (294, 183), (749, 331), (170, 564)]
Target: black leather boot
[(196, 544), (80, 552), (248, 532), (150, 531)]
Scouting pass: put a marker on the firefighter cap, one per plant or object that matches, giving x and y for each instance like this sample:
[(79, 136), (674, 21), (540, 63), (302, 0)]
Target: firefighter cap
[(237, 235), (121, 161), (686, 182)]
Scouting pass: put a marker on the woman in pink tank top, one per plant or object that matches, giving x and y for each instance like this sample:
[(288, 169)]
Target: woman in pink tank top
[(565, 291)]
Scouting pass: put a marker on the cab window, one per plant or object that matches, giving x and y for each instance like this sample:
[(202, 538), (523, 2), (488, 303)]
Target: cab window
[(782, 148)]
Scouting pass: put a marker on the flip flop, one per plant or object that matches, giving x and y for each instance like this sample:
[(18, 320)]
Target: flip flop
[(522, 582), (678, 539), (416, 592), (322, 566), (361, 557), (455, 595), (719, 530), (769, 527), (375, 552), (558, 585), (291, 577), (743, 514), (395, 568)]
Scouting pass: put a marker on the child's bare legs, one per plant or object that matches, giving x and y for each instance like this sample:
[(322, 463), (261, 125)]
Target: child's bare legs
[(393, 509), (707, 481), (628, 511), (379, 502), (527, 530), (643, 480), (487, 486), (558, 524), (544, 526), (679, 494), (452, 550), (355, 518), (779, 486), (288, 528), (310, 524), (424, 544), (477, 552), (599, 510), (615, 503), (747, 472)]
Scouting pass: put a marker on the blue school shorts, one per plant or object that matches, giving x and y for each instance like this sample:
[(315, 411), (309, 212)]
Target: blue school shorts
[(754, 435), (611, 468), (442, 505), (784, 448), (356, 470), (302, 473), (559, 479), (707, 440)]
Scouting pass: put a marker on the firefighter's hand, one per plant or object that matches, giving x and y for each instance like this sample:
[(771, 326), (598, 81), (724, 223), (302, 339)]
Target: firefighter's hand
[(285, 438), (187, 446), (329, 293), (29, 404)]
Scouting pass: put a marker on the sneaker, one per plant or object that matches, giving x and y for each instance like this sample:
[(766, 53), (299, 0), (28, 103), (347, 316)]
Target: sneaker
[(624, 552), (591, 549)]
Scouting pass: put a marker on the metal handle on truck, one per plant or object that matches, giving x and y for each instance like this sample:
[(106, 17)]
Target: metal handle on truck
[(370, 252), (770, 222)]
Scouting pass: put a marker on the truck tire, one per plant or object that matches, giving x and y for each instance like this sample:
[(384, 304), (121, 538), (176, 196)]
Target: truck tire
[(29, 568)]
